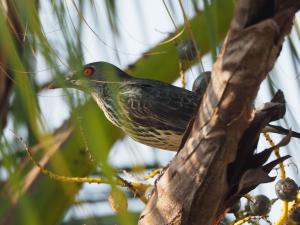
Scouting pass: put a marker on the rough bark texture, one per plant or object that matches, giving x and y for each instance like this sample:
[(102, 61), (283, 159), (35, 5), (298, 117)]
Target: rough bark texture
[(194, 187)]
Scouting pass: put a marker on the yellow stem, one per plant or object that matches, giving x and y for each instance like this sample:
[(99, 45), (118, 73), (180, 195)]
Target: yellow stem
[(182, 75), (152, 174), (285, 205), (118, 181)]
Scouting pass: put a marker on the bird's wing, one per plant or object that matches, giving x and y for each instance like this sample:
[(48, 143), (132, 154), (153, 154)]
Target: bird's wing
[(157, 104)]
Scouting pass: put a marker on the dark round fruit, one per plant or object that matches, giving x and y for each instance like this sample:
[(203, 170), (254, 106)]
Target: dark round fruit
[(201, 82), (286, 189), (295, 215), (236, 207), (260, 205), (187, 50)]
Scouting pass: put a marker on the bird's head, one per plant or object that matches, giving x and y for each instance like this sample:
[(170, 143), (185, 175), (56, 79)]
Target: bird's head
[(96, 74)]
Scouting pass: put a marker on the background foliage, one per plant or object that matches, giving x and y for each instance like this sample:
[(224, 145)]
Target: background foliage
[(45, 40)]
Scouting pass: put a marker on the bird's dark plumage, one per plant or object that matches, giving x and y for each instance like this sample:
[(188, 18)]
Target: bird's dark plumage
[(151, 112)]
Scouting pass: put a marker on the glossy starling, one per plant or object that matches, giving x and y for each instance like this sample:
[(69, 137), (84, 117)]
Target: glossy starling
[(151, 112)]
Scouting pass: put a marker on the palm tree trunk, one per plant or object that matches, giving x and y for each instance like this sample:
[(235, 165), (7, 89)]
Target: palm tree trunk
[(195, 185)]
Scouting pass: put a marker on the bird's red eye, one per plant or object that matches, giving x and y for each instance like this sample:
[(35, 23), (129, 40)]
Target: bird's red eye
[(88, 71)]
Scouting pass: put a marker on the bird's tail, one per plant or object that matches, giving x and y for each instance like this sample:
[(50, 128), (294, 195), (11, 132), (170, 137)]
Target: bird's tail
[(280, 130)]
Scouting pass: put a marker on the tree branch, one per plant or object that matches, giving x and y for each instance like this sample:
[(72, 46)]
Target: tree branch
[(195, 185)]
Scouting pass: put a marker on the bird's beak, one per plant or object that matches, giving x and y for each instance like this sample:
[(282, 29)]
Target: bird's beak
[(68, 82), (74, 82)]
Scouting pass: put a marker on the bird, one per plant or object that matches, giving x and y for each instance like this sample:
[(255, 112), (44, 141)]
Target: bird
[(151, 112)]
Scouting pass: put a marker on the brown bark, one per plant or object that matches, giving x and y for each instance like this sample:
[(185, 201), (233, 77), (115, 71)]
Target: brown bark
[(194, 186)]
